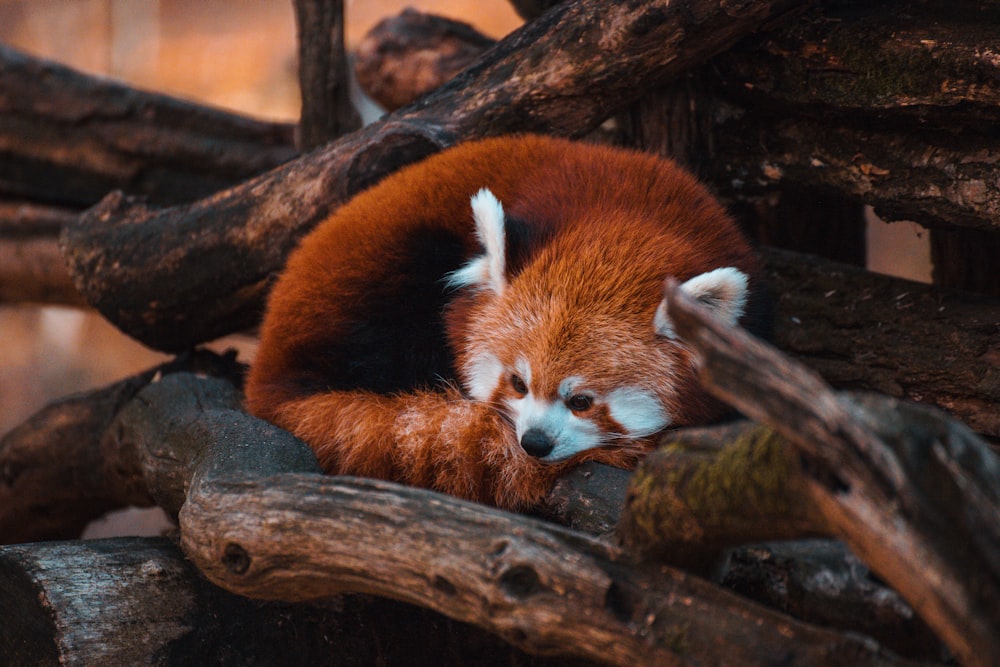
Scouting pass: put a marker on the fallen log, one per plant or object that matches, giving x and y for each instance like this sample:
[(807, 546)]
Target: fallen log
[(70, 138), (916, 496), (542, 588), (220, 254)]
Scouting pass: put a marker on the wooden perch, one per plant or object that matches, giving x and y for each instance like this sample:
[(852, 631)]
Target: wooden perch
[(544, 589), (405, 57), (561, 74), (916, 496), (70, 138), (254, 513)]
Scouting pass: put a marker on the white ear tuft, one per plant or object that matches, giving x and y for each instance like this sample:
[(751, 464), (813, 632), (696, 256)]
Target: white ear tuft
[(723, 291), (489, 270)]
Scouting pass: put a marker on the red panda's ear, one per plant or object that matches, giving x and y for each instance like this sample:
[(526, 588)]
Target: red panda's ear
[(723, 291), (489, 270)]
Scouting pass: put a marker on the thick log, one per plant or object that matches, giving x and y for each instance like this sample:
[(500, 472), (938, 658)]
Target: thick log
[(890, 104), (864, 102), (293, 536), (32, 269), (327, 111), (908, 340), (562, 74), (66, 465), (820, 581), (139, 601), (70, 138), (685, 508), (916, 496)]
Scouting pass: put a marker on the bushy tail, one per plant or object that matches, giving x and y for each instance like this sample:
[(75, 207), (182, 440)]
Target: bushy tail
[(433, 439)]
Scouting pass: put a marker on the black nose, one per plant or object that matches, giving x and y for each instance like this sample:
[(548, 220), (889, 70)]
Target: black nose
[(535, 442)]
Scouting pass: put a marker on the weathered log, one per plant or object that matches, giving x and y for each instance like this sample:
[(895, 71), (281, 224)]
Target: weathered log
[(916, 496), (71, 138), (139, 601), (65, 466), (547, 590), (890, 104), (562, 74), (32, 269), (327, 111), (820, 581), (897, 337), (686, 508), (860, 101)]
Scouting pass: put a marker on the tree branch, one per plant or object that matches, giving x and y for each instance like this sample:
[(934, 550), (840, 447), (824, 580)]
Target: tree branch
[(871, 463), (70, 138)]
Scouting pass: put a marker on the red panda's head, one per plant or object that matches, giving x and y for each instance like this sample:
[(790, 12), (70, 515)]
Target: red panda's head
[(575, 348)]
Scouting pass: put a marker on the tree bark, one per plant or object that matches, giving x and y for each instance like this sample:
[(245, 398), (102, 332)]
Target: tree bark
[(860, 102), (889, 104), (872, 465), (908, 340), (327, 111), (606, 56), (69, 138)]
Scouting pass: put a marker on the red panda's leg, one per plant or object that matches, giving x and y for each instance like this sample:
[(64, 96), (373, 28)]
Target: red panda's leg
[(438, 440)]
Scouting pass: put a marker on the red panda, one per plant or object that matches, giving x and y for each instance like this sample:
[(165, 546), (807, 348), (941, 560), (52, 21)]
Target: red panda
[(482, 321)]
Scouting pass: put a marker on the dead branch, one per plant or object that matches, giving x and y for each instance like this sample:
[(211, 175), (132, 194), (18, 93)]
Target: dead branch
[(871, 463), (890, 104), (71, 138), (327, 112), (607, 56)]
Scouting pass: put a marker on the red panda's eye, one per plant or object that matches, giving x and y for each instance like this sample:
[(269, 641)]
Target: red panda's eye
[(518, 384), (579, 402)]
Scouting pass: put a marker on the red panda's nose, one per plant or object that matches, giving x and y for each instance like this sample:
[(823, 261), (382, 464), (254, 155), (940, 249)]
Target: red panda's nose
[(536, 443)]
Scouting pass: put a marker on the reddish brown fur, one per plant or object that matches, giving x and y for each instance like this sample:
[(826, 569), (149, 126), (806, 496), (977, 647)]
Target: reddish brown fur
[(361, 299)]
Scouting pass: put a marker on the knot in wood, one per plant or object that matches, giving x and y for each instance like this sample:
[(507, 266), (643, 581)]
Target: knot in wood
[(236, 559), (520, 581)]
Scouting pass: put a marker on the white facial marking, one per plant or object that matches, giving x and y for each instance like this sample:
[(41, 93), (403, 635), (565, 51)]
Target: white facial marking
[(523, 369), (489, 270), (638, 410), (724, 291), (482, 375), (570, 433)]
